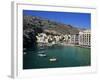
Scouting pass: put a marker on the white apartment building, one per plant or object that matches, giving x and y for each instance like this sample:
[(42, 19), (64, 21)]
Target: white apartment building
[(85, 38), (74, 39)]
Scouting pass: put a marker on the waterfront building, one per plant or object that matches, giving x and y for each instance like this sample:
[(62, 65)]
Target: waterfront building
[(74, 39), (68, 39), (82, 39), (42, 38), (85, 38)]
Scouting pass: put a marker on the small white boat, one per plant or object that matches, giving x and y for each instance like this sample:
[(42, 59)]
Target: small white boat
[(42, 55), (41, 52), (52, 59)]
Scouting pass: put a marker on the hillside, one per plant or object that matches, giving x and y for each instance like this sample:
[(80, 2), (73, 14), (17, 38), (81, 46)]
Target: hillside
[(34, 21), (32, 25)]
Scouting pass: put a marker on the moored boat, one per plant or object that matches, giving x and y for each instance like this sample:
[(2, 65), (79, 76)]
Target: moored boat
[(42, 55), (52, 59)]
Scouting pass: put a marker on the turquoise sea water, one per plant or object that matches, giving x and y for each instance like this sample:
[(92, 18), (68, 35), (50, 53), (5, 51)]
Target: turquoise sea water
[(66, 56)]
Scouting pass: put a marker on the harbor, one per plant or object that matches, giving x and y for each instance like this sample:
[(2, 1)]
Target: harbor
[(60, 56)]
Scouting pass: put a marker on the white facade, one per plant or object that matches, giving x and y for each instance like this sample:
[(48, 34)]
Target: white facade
[(82, 39), (74, 39), (42, 37), (85, 38)]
